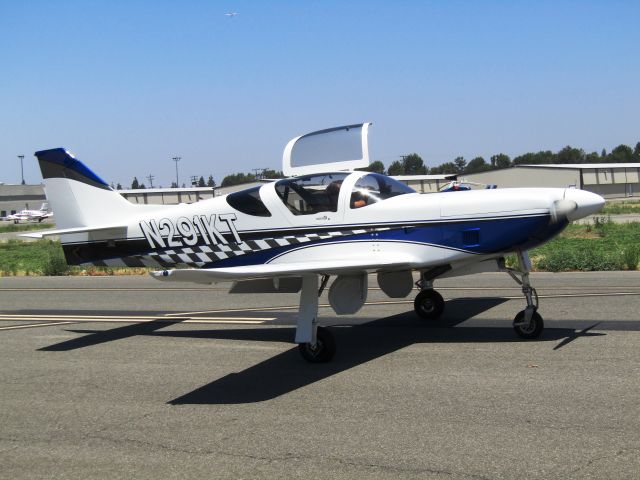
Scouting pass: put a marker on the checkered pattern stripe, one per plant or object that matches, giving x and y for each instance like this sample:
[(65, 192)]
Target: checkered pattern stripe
[(200, 255)]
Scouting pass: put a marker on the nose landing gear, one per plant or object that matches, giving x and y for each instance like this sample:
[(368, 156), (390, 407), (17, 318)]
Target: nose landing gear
[(528, 323)]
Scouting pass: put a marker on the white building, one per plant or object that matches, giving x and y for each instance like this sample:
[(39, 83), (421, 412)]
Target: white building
[(610, 180)]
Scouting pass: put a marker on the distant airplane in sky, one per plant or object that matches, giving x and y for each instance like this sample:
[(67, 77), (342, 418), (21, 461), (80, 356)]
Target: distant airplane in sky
[(231, 14)]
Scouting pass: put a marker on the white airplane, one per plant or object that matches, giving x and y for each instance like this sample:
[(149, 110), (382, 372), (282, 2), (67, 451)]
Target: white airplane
[(327, 220), (231, 14), (31, 215)]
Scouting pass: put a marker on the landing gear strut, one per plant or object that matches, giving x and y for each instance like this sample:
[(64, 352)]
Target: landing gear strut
[(316, 344), (528, 323)]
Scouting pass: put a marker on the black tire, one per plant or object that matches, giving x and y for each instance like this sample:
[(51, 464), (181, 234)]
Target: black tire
[(324, 349), (429, 304), (531, 331)]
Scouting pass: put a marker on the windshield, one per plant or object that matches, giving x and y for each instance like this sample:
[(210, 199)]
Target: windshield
[(373, 188)]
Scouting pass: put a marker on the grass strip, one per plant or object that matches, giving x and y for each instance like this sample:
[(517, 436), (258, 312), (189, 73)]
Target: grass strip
[(624, 207), (24, 227)]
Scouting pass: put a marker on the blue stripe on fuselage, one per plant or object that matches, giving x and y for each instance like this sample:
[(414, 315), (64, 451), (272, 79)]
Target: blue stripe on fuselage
[(494, 236)]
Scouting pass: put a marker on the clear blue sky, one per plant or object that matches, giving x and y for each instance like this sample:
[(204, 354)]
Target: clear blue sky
[(127, 85)]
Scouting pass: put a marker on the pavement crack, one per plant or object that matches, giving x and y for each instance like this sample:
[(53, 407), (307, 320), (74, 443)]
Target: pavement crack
[(286, 458), (397, 469), (591, 461)]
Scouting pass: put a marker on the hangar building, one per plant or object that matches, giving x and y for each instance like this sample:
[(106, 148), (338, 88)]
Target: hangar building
[(610, 180), (14, 198), (426, 183)]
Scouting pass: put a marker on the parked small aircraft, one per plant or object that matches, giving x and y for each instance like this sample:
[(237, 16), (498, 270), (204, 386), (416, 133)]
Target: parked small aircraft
[(327, 220), (463, 185), (31, 215)]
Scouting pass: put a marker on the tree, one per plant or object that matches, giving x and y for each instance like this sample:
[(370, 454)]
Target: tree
[(237, 179), (539, 158), (448, 167), (636, 153), (118, 187), (592, 157), (141, 186), (135, 185), (211, 182), (272, 174), (412, 164), (395, 168), (621, 154), (460, 164), (375, 167), (570, 155), (477, 165), (500, 161), (201, 182), (174, 185)]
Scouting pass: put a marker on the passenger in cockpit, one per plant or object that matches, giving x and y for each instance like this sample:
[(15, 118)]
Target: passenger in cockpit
[(333, 192)]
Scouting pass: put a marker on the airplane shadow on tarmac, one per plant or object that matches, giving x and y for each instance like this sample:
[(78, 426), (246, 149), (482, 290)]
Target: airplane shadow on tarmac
[(357, 344)]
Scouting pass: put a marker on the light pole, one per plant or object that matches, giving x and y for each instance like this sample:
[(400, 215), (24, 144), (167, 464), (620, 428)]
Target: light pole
[(21, 157), (177, 159)]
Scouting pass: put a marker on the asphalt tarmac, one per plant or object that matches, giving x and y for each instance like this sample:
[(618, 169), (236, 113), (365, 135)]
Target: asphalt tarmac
[(127, 377)]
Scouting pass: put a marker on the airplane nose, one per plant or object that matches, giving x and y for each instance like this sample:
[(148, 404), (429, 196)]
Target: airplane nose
[(587, 203)]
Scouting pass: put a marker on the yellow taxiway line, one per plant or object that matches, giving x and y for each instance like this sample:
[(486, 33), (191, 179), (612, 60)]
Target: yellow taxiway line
[(32, 325), (136, 318)]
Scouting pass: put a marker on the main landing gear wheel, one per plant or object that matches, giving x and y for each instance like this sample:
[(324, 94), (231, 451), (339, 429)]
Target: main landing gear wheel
[(323, 350), (530, 331), (428, 304)]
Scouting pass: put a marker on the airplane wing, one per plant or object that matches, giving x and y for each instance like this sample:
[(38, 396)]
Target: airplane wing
[(329, 267)]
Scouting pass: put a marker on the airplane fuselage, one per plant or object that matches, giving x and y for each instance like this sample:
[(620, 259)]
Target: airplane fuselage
[(429, 228)]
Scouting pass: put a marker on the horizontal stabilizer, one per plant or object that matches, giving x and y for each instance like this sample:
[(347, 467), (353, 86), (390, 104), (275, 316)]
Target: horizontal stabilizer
[(332, 267), (69, 231)]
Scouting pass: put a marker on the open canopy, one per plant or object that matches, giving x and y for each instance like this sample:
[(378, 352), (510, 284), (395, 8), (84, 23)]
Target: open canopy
[(333, 149)]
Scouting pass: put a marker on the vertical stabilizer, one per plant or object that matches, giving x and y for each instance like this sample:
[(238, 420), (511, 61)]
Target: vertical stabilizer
[(79, 197)]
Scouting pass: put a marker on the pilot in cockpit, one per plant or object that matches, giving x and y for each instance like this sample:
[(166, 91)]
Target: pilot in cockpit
[(360, 198)]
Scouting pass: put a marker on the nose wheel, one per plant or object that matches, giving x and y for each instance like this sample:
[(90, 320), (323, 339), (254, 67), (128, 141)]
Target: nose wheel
[(528, 329), (429, 304)]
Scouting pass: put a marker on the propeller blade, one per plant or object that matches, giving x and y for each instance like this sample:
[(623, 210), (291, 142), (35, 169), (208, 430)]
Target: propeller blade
[(561, 209)]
